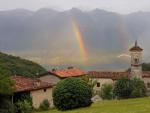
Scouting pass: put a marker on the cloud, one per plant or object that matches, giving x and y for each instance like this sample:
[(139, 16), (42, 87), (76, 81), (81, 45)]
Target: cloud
[(121, 6), (124, 55)]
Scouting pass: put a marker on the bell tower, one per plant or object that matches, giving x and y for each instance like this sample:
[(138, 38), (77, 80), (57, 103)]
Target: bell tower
[(136, 61)]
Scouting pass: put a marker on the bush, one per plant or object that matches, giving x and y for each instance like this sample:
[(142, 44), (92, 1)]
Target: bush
[(23, 96), (44, 105), (139, 88), (24, 106), (72, 93), (123, 88), (106, 91), (89, 81), (6, 105), (130, 88)]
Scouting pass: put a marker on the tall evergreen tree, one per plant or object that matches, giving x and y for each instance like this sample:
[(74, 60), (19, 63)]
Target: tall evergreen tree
[(6, 84), (6, 89)]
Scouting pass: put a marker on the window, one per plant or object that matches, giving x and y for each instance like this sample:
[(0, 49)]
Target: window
[(148, 85), (98, 84), (44, 90), (136, 60)]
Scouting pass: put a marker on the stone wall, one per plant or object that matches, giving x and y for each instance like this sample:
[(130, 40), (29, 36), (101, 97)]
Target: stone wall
[(39, 95)]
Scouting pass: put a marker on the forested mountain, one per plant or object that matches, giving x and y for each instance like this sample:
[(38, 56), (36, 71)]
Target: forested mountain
[(16, 65)]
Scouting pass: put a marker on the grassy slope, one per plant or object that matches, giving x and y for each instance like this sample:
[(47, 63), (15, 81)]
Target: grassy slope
[(141, 105)]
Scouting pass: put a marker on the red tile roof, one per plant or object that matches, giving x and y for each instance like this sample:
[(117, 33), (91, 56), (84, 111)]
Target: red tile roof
[(115, 75), (111, 75), (146, 74), (26, 84), (136, 47), (69, 72)]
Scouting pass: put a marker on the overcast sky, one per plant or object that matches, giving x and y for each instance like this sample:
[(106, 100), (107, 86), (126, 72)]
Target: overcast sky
[(120, 6)]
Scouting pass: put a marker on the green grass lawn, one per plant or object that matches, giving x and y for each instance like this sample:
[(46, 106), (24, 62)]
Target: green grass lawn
[(141, 105)]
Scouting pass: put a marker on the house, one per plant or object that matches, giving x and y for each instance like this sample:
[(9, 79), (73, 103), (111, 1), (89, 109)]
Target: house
[(37, 89), (102, 78), (55, 75), (136, 71)]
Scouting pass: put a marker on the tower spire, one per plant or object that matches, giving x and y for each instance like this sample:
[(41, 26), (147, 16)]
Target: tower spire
[(136, 43), (136, 47)]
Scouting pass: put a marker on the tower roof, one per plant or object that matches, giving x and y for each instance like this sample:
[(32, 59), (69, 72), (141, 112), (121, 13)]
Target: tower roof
[(136, 47)]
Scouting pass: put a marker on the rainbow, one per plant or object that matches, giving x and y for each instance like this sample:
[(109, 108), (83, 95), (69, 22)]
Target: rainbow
[(80, 40)]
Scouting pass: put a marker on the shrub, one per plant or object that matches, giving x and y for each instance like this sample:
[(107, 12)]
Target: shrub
[(6, 83), (139, 88), (24, 106), (72, 93), (6, 105), (123, 88), (44, 105), (23, 96), (89, 81), (106, 91)]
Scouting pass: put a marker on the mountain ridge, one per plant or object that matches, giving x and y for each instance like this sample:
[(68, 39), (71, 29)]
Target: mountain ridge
[(45, 33)]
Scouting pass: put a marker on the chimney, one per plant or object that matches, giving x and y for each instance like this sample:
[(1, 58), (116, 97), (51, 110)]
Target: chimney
[(54, 69), (70, 67)]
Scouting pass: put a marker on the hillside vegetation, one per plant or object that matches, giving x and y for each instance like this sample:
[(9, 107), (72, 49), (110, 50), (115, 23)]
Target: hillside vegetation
[(141, 105), (146, 66), (19, 66)]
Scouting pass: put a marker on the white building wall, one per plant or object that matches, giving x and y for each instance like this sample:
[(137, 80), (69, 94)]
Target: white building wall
[(102, 81), (146, 81), (39, 95), (136, 61)]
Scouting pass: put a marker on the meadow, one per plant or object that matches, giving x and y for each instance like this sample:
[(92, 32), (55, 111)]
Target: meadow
[(140, 105)]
